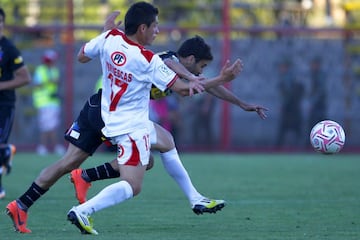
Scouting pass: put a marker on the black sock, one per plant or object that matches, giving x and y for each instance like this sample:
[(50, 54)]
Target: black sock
[(0, 181), (30, 196), (105, 171)]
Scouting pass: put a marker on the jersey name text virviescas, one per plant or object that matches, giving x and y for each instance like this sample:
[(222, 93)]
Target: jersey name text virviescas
[(120, 75)]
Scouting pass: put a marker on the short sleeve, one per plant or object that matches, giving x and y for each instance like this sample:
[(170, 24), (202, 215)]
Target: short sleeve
[(93, 47), (16, 59), (163, 76)]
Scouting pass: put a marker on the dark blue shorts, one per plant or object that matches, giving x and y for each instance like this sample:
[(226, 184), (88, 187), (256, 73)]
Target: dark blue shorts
[(85, 133)]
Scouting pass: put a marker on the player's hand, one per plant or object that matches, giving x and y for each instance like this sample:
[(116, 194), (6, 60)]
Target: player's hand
[(194, 78), (195, 86), (230, 71), (260, 110), (110, 21)]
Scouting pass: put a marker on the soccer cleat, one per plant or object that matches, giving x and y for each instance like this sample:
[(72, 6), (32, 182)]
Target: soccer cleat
[(18, 216), (82, 222), (7, 166), (80, 185), (205, 205)]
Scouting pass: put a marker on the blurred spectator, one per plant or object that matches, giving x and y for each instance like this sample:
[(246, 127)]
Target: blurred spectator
[(318, 95), (203, 116), (160, 113), (47, 102), (165, 112), (291, 94)]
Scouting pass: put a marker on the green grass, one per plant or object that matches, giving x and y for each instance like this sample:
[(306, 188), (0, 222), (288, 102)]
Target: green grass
[(269, 196)]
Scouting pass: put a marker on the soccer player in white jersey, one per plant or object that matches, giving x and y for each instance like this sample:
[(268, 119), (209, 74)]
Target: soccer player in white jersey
[(129, 70), (195, 54)]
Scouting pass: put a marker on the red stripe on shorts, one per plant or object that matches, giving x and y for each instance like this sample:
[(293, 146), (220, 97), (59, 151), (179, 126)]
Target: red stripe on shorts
[(135, 156)]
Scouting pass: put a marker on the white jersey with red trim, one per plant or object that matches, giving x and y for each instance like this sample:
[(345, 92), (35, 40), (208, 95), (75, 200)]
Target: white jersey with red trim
[(129, 70)]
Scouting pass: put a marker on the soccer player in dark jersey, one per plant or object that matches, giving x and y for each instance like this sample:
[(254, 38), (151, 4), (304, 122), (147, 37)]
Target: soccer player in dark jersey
[(13, 74)]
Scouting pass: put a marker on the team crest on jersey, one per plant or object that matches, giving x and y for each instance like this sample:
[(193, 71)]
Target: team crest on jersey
[(165, 70), (118, 58)]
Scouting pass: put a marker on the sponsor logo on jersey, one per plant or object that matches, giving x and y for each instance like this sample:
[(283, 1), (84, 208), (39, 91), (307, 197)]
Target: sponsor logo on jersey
[(118, 58)]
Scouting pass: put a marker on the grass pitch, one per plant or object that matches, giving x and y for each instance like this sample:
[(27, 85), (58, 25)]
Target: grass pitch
[(269, 196)]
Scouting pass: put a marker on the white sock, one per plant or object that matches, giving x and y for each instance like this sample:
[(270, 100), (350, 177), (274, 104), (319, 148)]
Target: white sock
[(176, 170), (109, 196)]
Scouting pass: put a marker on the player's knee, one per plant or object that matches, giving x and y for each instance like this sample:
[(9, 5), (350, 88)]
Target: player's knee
[(135, 183), (166, 142), (136, 188)]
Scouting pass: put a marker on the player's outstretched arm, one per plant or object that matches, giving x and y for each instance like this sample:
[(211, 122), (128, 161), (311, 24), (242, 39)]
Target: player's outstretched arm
[(181, 70), (226, 95), (188, 88), (227, 74), (109, 24)]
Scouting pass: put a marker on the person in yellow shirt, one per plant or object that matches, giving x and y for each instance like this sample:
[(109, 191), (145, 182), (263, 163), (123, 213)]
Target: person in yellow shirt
[(47, 102)]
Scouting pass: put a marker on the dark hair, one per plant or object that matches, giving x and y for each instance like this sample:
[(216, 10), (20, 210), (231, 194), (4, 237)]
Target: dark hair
[(139, 13), (195, 46), (2, 13)]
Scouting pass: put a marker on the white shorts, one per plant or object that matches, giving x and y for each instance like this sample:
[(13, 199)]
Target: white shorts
[(153, 136), (48, 118), (133, 148)]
